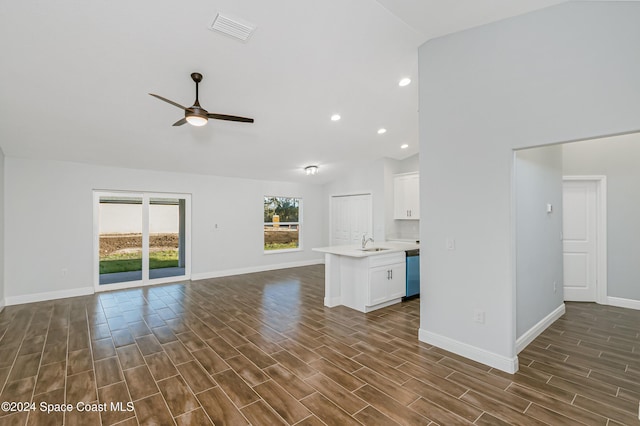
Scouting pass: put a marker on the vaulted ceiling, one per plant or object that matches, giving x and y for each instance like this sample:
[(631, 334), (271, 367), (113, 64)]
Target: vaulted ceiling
[(76, 74)]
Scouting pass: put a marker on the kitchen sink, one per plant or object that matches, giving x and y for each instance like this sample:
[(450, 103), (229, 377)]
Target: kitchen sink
[(374, 249)]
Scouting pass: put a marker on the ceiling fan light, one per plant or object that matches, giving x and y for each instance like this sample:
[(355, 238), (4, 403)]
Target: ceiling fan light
[(311, 170), (196, 120)]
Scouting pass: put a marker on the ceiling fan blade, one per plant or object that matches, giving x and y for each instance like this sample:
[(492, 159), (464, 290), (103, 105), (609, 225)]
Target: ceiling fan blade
[(168, 101), (180, 122), (230, 118)]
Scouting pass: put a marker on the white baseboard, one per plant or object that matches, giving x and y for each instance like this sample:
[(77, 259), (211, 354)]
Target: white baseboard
[(1, 305), (252, 269), (623, 303), (332, 302), (508, 365), (49, 295), (530, 335)]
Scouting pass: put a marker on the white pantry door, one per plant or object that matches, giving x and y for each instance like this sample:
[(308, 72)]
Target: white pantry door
[(580, 240), (351, 218)]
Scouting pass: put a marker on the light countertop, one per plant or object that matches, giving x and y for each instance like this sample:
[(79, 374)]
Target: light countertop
[(355, 250)]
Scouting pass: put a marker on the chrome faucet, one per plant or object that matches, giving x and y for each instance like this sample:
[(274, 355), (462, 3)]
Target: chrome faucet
[(365, 240)]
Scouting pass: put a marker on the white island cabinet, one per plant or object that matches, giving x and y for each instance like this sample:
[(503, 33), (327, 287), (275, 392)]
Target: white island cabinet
[(365, 280)]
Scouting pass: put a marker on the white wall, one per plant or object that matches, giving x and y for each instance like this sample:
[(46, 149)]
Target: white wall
[(49, 207), (376, 178), (564, 73), (364, 178), (618, 158), (2, 271), (538, 182)]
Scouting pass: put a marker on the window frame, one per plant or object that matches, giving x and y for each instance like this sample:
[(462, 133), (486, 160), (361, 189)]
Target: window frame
[(298, 223)]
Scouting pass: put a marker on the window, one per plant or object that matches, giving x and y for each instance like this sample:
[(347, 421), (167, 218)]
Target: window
[(282, 223)]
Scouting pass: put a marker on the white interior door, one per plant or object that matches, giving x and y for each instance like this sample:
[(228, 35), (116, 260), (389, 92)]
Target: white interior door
[(351, 217), (580, 240)]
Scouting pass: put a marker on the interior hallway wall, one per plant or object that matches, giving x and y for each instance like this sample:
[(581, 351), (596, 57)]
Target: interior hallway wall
[(539, 267), (2, 270), (568, 72), (617, 158)]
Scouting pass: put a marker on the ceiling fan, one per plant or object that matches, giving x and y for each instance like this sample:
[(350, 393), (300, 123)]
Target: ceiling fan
[(196, 115)]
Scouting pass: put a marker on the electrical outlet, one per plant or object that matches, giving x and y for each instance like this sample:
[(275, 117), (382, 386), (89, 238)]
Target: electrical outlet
[(555, 286), (451, 244), (64, 272), (478, 316)]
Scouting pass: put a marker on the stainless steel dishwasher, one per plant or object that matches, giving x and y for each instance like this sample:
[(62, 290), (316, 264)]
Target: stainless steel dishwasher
[(413, 274)]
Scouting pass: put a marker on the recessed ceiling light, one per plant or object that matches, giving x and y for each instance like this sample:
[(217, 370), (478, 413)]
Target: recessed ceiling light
[(404, 146), (381, 131), (404, 82), (335, 117)]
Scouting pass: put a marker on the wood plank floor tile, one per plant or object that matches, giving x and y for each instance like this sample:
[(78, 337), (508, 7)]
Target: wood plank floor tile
[(282, 402), (195, 376), (19, 390), (160, 366), (140, 382), (236, 389), (327, 411), (50, 378), (148, 344), (177, 352), (130, 357), (40, 417), (152, 410), (371, 416), (247, 370), (220, 409), (338, 375), (108, 371), (336, 393), (103, 348), (195, 417), (289, 381), (454, 405), (436, 413), (114, 394), (210, 361), (159, 346), (81, 387), (390, 407), (398, 392), (25, 366), (259, 413), (177, 395), (548, 402), (122, 337)]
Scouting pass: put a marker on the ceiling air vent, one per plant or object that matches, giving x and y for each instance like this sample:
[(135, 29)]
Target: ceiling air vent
[(233, 27)]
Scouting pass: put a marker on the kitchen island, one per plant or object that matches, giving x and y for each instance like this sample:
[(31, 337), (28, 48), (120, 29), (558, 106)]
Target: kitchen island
[(365, 279)]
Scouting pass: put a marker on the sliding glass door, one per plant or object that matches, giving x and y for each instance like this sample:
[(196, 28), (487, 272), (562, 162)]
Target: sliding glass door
[(140, 238)]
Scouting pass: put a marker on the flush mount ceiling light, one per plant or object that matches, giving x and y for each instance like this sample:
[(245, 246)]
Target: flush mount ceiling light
[(404, 146), (404, 82), (311, 170), (382, 131), (335, 117)]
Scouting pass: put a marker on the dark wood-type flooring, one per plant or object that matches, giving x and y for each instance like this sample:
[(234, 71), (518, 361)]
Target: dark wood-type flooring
[(262, 349)]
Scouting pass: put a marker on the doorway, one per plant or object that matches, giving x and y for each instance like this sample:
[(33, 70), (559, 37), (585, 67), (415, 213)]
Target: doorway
[(351, 218), (584, 240), (140, 238)]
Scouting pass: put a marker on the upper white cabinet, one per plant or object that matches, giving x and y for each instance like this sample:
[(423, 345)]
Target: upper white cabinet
[(406, 196)]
